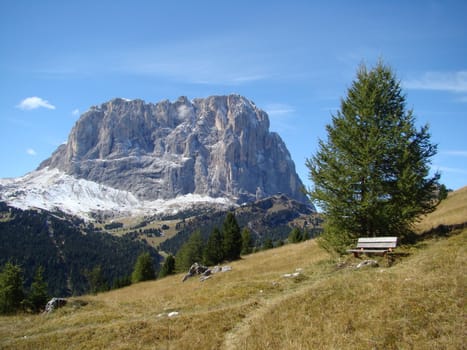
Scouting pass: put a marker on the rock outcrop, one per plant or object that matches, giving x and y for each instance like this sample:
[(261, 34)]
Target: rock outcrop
[(219, 146), (54, 303)]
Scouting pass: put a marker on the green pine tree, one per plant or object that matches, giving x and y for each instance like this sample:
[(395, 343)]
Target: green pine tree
[(268, 244), (214, 250), (371, 176), (11, 288), (38, 296), (295, 235), (95, 280), (144, 268), (168, 268), (190, 252), (232, 241), (247, 242)]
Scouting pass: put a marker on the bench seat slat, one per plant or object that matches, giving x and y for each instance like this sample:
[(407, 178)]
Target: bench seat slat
[(368, 250), (377, 245), (377, 239)]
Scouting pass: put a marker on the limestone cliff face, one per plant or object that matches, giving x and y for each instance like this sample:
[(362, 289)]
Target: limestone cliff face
[(219, 146)]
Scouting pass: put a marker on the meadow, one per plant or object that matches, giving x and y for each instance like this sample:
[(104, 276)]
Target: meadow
[(416, 303)]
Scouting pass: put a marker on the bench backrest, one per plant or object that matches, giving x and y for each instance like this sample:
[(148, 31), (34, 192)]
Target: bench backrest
[(377, 242)]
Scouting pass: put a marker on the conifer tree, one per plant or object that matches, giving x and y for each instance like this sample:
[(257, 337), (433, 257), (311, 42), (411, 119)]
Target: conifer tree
[(247, 242), (144, 268), (190, 252), (168, 268), (371, 176), (95, 280), (38, 296), (214, 249), (268, 244), (295, 235), (11, 288), (232, 238)]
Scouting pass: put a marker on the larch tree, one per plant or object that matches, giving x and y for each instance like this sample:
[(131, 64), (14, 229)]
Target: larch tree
[(247, 242), (232, 238), (168, 268), (143, 269), (371, 177), (38, 296), (190, 252), (11, 288), (214, 250)]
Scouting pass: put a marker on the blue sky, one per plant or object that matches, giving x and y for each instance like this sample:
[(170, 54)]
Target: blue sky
[(294, 59)]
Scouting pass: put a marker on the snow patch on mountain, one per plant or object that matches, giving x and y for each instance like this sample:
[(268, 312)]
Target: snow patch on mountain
[(52, 189)]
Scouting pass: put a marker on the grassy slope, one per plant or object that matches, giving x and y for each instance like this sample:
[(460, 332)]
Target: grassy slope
[(451, 211), (418, 303)]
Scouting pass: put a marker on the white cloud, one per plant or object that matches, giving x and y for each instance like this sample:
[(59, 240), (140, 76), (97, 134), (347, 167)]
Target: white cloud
[(445, 169), (31, 152), (249, 78), (75, 112), (279, 109), (34, 102), (455, 153), (440, 81), (217, 60)]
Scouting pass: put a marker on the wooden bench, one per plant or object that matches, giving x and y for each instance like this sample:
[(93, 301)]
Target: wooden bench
[(374, 245)]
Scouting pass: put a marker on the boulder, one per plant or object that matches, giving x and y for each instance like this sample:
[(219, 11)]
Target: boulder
[(367, 263), (197, 269), (54, 303)]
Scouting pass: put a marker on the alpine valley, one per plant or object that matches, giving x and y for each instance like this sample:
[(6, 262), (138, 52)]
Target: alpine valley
[(143, 171)]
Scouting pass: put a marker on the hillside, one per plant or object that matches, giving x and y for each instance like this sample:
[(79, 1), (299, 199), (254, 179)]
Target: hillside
[(452, 211), (268, 218), (66, 247), (418, 303)]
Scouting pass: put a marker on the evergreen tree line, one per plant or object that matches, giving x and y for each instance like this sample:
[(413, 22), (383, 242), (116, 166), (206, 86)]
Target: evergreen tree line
[(222, 245), (225, 244), (15, 297), (75, 259), (276, 224)]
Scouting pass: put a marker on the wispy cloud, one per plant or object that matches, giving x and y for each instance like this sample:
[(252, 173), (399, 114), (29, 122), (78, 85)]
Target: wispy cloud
[(444, 169), (440, 81), (75, 112), (279, 109), (217, 60), (34, 102), (457, 153), (197, 69), (31, 152)]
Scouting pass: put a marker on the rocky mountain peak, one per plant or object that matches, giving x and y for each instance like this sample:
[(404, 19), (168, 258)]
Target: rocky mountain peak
[(218, 146)]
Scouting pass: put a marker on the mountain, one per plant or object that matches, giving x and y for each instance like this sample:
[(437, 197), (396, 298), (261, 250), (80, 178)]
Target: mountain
[(218, 146), (127, 154)]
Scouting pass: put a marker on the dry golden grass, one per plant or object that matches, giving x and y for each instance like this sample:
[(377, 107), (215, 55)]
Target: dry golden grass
[(418, 303), (136, 316), (453, 210)]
